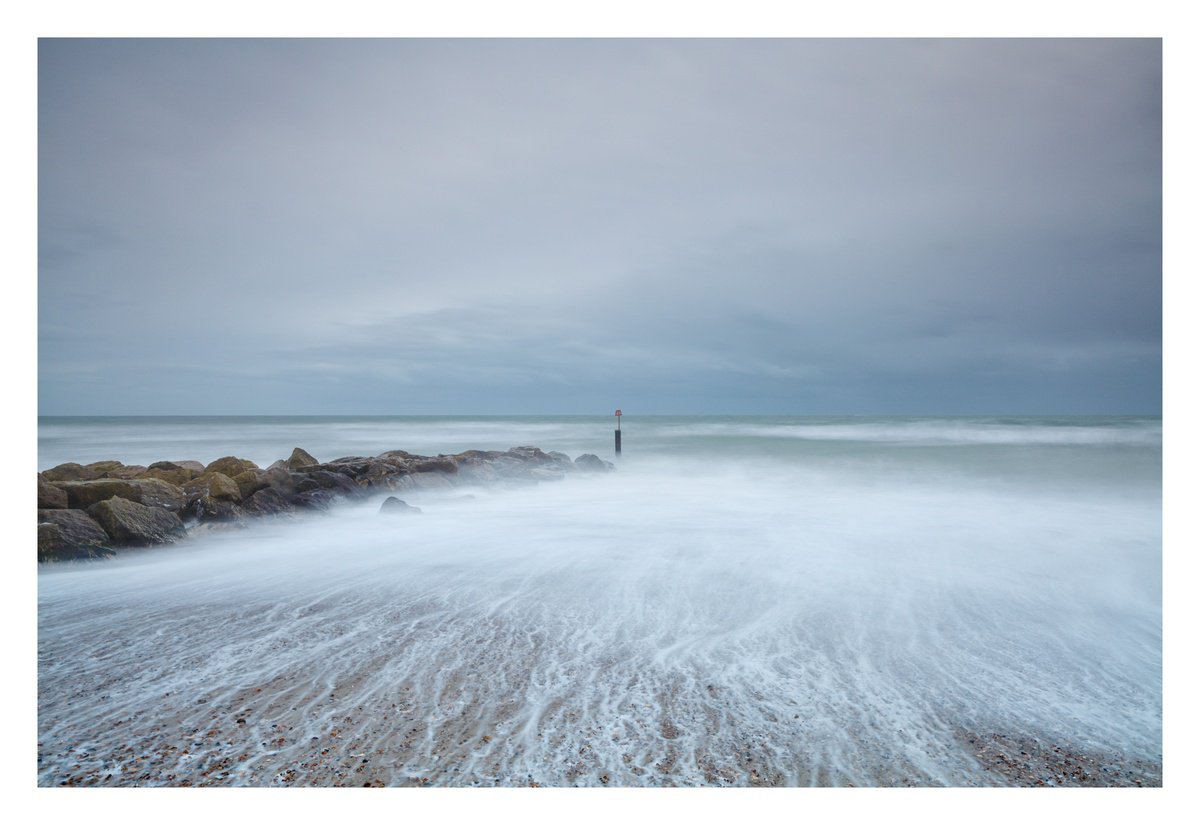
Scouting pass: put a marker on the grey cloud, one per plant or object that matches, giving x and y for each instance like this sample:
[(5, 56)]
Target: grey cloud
[(713, 222)]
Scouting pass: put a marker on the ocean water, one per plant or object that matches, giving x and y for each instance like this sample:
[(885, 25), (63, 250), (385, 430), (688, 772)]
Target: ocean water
[(745, 601)]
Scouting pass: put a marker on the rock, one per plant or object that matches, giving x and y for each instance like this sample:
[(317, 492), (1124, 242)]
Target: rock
[(593, 463), (230, 466), (82, 494), (158, 493), (529, 454), (366, 471), (300, 458), (128, 471), (210, 508), (49, 496), (379, 473), (213, 484), (70, 472), (152, 492), (276, 477), (132, 524), (318, 499), (561, 460), (173, 472), (350, 466), (251, 481), (392, 505), (327, 480), (282, 480), (70, 534), (266, 502), (53, 546), (547, 474), (102, 468), (441, 464)]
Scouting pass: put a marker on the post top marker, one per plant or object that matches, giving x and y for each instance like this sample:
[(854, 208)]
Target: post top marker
[(618, 412)]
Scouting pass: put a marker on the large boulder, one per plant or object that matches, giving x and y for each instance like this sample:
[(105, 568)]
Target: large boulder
[(278, 477), (319, 499), (231, 466), (379, 473), (127, 471), (131, 524), (283, 481), (313, 479), (103, 468), (299, 458), (82, 494), (49, 496), (349, 466), (213, 484), (441, 464), (158, 493), (152, 492), (174, 472), (70, 472), (70, 534), (400, 455), (251, 481), (365, 471), (530, 454), (266, 502), (209, 509)]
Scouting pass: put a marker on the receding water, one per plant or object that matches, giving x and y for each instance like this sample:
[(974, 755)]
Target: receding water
[(745, 601)]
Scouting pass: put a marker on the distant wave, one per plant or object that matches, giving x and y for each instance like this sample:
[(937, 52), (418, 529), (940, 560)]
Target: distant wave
[(926, 433)]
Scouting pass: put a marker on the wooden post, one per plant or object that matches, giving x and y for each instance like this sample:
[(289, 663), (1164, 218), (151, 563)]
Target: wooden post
[(617, 432)]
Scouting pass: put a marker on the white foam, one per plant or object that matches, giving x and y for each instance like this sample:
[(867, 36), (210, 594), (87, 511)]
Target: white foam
[(667, 624)]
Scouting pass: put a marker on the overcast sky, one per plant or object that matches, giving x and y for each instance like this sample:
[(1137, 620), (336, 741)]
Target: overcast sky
[(686, 226)]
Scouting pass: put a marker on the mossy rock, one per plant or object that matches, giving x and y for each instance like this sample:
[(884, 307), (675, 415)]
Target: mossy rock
[(170, 472), (136, 525), (49, 496), (214, 484), (102, 468), (70, 472), (299, 458), (70, 534), (231, 466), (149, 491)]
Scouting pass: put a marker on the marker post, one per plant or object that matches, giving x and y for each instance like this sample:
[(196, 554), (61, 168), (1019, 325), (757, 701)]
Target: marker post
[(617, 432)]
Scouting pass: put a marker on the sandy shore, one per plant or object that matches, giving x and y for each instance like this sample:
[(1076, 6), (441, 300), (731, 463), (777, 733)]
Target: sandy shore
[(285, 733)]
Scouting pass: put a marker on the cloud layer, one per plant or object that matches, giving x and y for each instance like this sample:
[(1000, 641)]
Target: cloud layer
[(566, 226)]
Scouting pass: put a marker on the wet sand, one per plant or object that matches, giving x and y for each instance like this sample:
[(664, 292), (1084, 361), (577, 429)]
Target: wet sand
[(462, 722)]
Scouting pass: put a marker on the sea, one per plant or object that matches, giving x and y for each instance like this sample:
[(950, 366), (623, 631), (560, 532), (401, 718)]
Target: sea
[(742, 601)]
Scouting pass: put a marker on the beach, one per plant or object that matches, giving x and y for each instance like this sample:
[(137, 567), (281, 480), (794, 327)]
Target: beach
[(743, 603)]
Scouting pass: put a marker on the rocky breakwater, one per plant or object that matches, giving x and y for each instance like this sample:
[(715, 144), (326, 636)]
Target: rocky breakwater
[(93, 510)]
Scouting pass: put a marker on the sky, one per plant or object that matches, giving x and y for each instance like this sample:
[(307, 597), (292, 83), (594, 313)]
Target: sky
[(908, 227)]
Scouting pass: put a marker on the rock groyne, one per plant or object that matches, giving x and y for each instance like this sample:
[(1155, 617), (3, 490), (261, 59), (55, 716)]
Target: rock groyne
[(94, 510)]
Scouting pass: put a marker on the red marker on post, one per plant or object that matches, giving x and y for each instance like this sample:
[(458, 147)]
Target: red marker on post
[(617, 432)]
